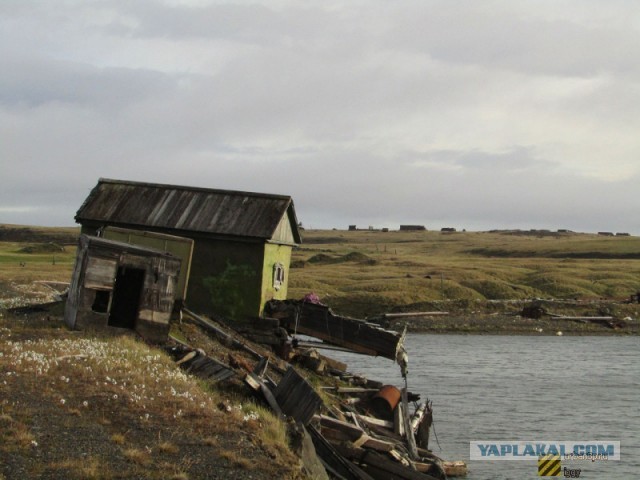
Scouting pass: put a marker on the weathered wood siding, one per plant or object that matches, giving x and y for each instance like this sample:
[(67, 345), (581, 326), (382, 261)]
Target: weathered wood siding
[(94, 274), (180, 247)]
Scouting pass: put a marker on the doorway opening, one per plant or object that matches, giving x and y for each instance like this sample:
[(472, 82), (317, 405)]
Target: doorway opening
[(126, 297)]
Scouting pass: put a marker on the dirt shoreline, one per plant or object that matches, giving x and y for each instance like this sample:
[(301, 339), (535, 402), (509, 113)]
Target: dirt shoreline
[(503, 324)]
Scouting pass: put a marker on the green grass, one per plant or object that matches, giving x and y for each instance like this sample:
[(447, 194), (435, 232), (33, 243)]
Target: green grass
[(395, 269), (366, 273)]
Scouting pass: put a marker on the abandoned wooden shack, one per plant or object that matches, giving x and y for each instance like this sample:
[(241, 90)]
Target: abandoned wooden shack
[(242, 240), (116, 284), (177, 246)]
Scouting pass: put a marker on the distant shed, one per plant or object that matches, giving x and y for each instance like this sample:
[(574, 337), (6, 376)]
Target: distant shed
[(242, 240), (412, 228), (116, 284)]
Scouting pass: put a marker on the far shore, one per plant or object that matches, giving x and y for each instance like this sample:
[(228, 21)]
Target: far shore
[(499, 324)]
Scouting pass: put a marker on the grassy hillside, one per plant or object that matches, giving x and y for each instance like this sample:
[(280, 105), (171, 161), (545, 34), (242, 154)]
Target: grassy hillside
[(75, 405), (31, 255), (364, 273)]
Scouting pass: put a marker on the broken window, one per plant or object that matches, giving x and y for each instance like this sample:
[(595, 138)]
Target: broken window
[(278, 276), (101, 301)]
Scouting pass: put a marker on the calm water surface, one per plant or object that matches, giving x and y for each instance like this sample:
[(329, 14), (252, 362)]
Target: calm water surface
[(523, 388)]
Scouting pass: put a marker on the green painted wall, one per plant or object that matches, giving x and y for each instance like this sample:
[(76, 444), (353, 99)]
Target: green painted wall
[(273, 254), (226, 278), (238, 274)]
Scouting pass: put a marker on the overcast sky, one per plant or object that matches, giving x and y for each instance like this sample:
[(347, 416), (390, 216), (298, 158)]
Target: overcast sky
[(468, 114)]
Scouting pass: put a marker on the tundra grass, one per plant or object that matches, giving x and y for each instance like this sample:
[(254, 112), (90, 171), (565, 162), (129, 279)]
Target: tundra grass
[(366, 272), (361, 273)]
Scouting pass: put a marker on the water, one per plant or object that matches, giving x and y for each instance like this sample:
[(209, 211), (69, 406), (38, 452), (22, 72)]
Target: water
[(523, 388)]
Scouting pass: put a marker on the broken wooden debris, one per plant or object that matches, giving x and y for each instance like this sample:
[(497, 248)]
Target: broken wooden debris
[(318, 363), (199, 364), (352, 442), (222, 336), (338, 430), (379, 466), (296, 397), (421, 424), (335, 463), (319, 321), (411, 439), (258, 385), (225, 338), (455, 469), (414, 314), (605, 321), (537, 311)]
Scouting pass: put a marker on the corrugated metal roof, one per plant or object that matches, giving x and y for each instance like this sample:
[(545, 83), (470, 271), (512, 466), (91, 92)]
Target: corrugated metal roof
[(188, 209)]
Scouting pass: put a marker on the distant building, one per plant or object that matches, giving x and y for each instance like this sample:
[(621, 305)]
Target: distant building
[(448, 230), (242, 240), (352, 228), (606, 234), (408, 228), (622, 234)]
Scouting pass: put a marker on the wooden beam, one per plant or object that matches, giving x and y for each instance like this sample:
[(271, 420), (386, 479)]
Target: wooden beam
[(296, 397), (372, 420), (384, 467), (320, 322), (414, 314)]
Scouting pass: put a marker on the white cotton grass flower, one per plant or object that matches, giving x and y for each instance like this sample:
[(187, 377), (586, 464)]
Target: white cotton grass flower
[(251, 416)]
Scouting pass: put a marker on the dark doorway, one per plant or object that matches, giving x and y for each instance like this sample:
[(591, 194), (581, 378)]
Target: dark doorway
[(126, 297)]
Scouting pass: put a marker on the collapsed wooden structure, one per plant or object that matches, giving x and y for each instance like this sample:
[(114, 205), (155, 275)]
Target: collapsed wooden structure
[(317, 320), (119, 285), (366, 432)]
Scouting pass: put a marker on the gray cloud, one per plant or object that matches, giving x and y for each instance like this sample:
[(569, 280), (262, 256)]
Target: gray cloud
[(478, 115)]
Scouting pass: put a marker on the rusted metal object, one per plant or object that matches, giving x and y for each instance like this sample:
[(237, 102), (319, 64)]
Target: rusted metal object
[(385, 401)]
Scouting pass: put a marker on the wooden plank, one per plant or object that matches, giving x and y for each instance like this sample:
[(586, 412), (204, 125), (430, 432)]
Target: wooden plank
[(257, 385), (455, 469), (296, 397), (372, 420), (320, 322), (411, 439), (384, 467), (336, 462), (414, 314), (398, 420), (196, 362), (360, 439), (100, 273)]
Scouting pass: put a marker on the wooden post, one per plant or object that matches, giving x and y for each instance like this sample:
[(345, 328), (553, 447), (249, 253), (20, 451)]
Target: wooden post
[(411, 440)]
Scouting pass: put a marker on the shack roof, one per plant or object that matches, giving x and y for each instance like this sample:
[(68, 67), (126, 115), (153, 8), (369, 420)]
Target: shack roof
[(187, 209)]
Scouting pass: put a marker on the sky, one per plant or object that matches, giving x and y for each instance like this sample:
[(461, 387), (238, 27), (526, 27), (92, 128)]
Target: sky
[(470, 114)]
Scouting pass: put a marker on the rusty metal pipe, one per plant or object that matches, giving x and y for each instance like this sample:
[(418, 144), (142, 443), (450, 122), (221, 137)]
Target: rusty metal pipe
[(385, 401)]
